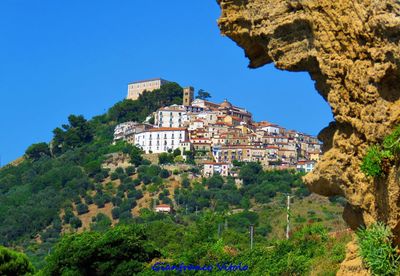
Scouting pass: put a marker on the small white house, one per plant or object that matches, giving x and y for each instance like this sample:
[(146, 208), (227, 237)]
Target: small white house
[(163, 208), (211, 168), (305, 166)]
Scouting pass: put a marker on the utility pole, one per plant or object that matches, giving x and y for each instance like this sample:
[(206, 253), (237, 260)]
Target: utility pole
[(251, 236), (288, 217), (219, 230)]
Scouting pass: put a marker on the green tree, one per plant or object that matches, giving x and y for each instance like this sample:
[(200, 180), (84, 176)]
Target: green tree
[(122, 250), (249, 172), (36, 151), (203, 95), (136, 156), (165, 158), (14, 263), (82, 208), (76, 222), (75, 134), (215, 182), (100, 223)]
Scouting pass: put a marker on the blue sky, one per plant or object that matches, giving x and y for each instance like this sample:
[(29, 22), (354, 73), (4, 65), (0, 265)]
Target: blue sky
[(77, 57)]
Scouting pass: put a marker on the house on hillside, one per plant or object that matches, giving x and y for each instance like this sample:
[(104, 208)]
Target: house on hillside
[(163, 208), (211, 168)]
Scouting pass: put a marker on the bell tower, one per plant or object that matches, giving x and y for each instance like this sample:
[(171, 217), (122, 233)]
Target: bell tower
[(188, 95)]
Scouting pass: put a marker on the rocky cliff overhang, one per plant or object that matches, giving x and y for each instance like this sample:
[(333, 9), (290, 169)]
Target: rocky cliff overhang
[(351, 50)]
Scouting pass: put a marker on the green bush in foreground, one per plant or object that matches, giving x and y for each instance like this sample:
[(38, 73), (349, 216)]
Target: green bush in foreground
[(377, 251), (122, 250), (14, 263)]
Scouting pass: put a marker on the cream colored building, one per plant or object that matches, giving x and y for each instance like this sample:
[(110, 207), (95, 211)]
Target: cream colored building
[(138, 87)]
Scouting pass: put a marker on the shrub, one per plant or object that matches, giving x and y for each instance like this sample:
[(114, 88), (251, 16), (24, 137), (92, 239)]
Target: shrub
[(125, 215), (130, 170), (146, 180), (119, 170), (116, 201), (115, 212), (114, 176), (88, 199), (99, 200), (100, 223), (135, 182), (76, 222), (157, 180), (107, 198), (165, 158), (377, 250), (164, 173), (82, 208), (68, 215), (371, 163), (185, 182)]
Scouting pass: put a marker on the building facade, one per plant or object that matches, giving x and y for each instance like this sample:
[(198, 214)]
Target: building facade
[(127, 131), (171, 116), (211, 168), (138, 87), (158, 140)]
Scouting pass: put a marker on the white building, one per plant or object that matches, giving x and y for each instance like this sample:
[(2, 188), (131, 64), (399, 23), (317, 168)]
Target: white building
[(305, 166), (171, 116), (271, 129), (163, 208), (126, 131), (157, 140), (212, 168)]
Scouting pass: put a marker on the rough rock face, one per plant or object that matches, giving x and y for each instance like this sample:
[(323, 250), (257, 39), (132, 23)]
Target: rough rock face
[(351, 50)]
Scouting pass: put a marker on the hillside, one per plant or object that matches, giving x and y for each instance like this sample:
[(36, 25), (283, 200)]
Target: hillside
[(82, 184)]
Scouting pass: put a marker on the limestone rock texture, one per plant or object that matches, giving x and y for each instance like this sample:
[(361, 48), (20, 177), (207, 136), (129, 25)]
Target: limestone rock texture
[(353, 264), (351, 49)]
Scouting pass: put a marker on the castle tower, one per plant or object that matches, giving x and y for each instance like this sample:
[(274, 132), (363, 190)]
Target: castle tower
[(188, 95)]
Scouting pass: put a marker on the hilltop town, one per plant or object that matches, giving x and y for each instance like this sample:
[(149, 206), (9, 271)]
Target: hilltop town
[(216, 135)]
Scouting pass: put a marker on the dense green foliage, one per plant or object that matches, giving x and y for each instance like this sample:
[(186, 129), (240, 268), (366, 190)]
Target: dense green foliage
[(75, 134), (215, 245), (123, 250), (221, 195), (33, 193), (377, 250), (36, 151), (14, 263), (379, 158)]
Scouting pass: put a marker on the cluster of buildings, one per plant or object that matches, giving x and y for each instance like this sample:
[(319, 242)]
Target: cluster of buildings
[(221, 134)]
